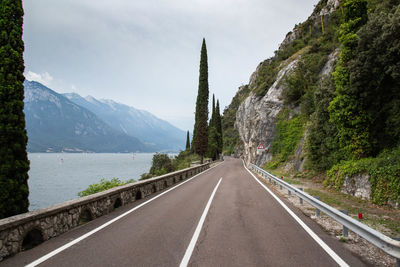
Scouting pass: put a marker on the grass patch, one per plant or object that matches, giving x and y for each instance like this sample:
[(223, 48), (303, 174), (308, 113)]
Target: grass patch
[(328, 199), (292, 181)]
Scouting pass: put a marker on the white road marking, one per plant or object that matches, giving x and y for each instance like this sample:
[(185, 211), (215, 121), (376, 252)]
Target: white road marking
[(196, 234), (73, 242), (327, 249)]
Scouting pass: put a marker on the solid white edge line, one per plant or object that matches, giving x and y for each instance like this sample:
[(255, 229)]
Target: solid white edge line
[(327, 249), (73, 242), (192, 244)]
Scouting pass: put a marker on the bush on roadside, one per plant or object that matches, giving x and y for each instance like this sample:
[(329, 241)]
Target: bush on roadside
[(103, 185)]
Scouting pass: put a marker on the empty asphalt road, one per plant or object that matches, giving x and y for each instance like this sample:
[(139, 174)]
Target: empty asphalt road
[(222, 217)]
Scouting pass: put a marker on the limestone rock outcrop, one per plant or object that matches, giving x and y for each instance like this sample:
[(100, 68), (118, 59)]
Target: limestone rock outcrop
[(256, 118)]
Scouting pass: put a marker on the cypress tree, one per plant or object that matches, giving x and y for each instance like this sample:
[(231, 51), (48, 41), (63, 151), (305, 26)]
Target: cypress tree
[(218, 126), (14, 164), (213, 134), (212, 121), (187, 141), (200, 132)]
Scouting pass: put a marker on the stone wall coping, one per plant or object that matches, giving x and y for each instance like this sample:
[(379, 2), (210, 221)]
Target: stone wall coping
[(77, 202)]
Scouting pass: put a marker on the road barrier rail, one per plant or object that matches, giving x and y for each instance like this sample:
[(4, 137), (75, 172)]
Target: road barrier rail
[(387, 244)]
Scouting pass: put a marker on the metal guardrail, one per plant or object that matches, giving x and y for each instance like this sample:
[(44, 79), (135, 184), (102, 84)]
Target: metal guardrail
[(387, 244)]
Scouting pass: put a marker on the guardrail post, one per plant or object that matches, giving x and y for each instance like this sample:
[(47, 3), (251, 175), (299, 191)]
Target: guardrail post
[(301, 200), (270, 180), (288, 191), (345, 230), (280, 187), (317, 211), (397, 259), (274, 182)]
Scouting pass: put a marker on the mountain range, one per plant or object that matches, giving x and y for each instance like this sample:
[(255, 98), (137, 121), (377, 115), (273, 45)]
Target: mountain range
[(71, 123)]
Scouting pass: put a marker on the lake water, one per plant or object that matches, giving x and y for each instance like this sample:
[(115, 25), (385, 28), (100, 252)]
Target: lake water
[(58, 177)]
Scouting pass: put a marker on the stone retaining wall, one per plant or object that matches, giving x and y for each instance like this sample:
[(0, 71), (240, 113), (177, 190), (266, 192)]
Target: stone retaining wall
[(26, 230)]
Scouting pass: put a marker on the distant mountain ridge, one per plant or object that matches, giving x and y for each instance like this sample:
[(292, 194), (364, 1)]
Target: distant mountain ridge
[(54, 124), (152, 131)]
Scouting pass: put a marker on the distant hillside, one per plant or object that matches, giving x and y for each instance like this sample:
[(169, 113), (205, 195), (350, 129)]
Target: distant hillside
[(154, 132), (55, 124)]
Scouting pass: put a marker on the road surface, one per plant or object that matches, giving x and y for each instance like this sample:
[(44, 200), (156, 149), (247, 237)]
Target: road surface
[(222, 217)]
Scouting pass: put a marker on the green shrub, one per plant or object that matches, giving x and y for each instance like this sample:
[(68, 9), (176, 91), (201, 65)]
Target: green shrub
[(289, 133), (161, 164), (184, 160), (103, 185), (266, 77)]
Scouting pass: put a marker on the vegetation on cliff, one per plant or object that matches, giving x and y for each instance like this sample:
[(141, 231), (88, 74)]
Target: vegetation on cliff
[(231, 135)]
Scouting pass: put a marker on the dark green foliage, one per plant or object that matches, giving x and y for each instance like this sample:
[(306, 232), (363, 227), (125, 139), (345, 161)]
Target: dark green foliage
[(103, 185), (200, 132), (346, 110), (187, 141), (322, 141), (161, 164), (375, 78), (365, 109), (215, 142), (213, 134), (14, 164), (302, 81), (231, 137), (355, 13), (218, 126), (290, 49), (367, 102), (296, 86)]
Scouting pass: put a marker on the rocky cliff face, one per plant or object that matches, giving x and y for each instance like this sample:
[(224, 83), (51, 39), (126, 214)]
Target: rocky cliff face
[(256, 117)]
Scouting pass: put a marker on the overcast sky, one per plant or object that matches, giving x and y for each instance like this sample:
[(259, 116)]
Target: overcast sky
[(146, 53)]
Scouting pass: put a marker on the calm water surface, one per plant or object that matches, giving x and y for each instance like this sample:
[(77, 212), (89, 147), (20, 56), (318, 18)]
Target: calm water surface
[(58, 177)]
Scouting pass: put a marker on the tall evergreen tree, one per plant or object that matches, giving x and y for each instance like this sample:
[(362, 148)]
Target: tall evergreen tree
[(14, 164), (218, 126), (213, 111), (200, 132), (187, 141), (213, 134)]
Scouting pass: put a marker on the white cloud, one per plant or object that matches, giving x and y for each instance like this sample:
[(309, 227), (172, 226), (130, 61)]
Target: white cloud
[(45, 78)]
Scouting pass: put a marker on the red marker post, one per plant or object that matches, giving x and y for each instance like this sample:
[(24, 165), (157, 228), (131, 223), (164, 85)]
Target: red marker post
[(360, 216)]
